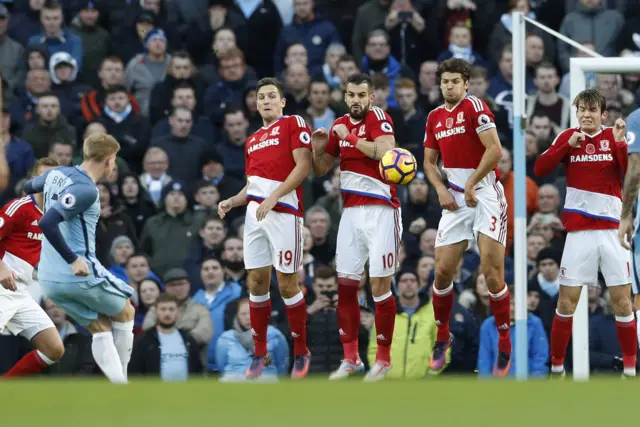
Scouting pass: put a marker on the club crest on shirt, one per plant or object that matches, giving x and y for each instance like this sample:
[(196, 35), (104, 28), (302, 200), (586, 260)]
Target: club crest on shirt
[(590, 149), (460, 118), (449, 123), (275, 131), (440, 236), (604, 145), (563, 272), (361, 131)]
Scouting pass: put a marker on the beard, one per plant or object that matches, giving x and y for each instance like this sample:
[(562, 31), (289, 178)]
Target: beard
[(166, 325), (233, 265), (359, 114)]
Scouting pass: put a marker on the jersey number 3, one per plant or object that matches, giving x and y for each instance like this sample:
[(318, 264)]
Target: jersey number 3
[(493, 223)]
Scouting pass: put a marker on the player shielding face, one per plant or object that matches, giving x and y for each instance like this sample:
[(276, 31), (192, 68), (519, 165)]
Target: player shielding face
[(628, 229), (20, 246), (370, 226), (463, 133), (278, 160), (69, 271), (595, 159)]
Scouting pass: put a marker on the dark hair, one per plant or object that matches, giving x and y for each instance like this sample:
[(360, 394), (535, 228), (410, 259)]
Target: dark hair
[(165, 297), (224, 242), (60, 142), (137, 255), (210, 258), (591, 98), (358, 79), (115, 89), (455, 65), (182, 54), (180, 108), (546, 65), (235, 110), (348, 58), (380, 81), (203, 184), (319, 81), (324, 272), (478, 72), (215, 218), (112, 58), (184, 85), (270, 81), (45, 161), (47, 94), (52, 5)]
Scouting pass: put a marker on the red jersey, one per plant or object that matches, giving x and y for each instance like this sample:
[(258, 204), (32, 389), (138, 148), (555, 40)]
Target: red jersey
[(20, 236), (360, 181), (595, 172), (455, 134), (269, 161)]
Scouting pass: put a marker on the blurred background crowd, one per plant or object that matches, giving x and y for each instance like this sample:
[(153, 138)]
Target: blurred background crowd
[(174, 81)]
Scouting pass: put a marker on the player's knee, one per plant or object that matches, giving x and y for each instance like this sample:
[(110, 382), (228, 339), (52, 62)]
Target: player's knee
[(380, 285), (258, 281), (288, 284), (621, 303), (443, 276), (566, 305), (128, 313), (493, 276)]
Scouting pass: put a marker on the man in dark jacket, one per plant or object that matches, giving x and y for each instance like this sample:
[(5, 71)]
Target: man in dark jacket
[(50, 125), (95, 41), (165, 350)]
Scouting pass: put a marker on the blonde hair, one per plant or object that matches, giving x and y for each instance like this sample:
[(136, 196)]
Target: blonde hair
[(100, 146), (45, 161)]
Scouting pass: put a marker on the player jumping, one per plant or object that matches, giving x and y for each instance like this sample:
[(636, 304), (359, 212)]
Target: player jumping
[(370, 226), (91, 295), (463, 132), (20, 244), (628, 230), (595, 159), (278, 160)]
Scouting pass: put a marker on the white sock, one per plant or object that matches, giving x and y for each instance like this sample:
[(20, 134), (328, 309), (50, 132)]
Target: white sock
[(106, 356), (123, 339)]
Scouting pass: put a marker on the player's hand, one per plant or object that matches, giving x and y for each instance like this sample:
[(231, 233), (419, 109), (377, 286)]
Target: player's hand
[(8, 278), (576, 139), (224, 207), (447, 201), (319, 140), (80, 267), (619, 130), (470, 196), (340, 131), (625, 232), (264, 208)]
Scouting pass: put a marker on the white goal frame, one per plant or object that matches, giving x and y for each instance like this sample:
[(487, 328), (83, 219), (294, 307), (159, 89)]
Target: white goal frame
[(578, 68)]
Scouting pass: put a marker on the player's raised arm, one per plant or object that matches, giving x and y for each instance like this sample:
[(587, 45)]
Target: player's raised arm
[(36, 185), (322, 161), (382, 142), (560, 147)]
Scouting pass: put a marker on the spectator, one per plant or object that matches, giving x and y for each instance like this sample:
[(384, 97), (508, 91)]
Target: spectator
[(113, 222), (180, 71), (11, 53), (370, 16), (534, 53), (415, 331), (227, 185), (460, 46), (333, 203), (590, 78), (610, 85), (381, 91), (228, 91), (410, 131), (505, 165), (378, 59), (182, 147), (56, 38), (543, 129), (313, 31), (150, 290), (95, 41), (19, 153), (154, 178), (232, 258), (420, 213), (478, 86), (347, 66), (425, 267), (215, 294), (24, 25), (122, 249), (412, 39), (194, 318), (297, 89), (429, 93), (476, 300), (136, 270), (588, 20), (317, 219), (77, 359), (63, 71), (330, 66), (428, 242), (23, 110), (135, 200), (111, 74), (263, 25), (235, 348), (128, 127), (165, 350), (49, 125), (535, 243), (184, 95), (547, 282), (212, 234), (232, 146), (128, 25), (547, 101), (549, 200), (538, 346), (146, 69), (206, 198), (175, 224), (322, 324), (466, 340)]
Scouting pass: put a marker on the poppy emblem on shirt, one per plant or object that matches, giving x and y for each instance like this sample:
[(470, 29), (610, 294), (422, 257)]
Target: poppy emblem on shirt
[(264, 136), (590, 149), (604, 145), (449, 123)]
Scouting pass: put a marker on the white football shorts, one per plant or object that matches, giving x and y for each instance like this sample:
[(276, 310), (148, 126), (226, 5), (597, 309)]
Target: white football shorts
[(21, 315)]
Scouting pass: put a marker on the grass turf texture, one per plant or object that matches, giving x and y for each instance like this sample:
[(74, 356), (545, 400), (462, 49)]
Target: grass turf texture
[(317, 402)]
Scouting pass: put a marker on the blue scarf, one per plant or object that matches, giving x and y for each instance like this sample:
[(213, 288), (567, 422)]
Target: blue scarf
[(508, 23), (549, 288), (118, 117), (334, 81), (248, 7), (465, 53)]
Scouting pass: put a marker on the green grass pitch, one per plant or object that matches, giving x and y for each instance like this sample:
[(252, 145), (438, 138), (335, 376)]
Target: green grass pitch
[(465, 402)]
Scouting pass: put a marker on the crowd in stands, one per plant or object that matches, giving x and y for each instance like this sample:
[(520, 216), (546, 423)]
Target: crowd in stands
[(175, 82)]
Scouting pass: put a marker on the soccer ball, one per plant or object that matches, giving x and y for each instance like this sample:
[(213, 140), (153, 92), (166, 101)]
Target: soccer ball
[(398, 166)]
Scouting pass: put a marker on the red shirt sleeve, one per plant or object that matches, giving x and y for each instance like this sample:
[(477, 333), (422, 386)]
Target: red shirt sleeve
[(246, 156), (299, 133), (9, 216), (620, 151), (379, 123), (333, 146), (556, 153), (480, 116), (429, 137)]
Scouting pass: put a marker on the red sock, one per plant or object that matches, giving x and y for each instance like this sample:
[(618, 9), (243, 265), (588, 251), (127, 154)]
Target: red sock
[(628, 338), (500, 303), (297, 314), (31, 363), (260, 312), (560, 335), (348, 316), (385, 321), (442, 306)]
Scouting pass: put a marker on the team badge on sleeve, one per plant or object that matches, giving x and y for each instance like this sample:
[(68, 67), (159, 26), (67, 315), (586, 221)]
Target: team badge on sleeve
[(631, 137), (68, 201), (386, 127), (1, 222), (305, 138)]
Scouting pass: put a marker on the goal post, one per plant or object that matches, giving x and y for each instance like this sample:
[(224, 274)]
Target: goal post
[(577, 70)]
